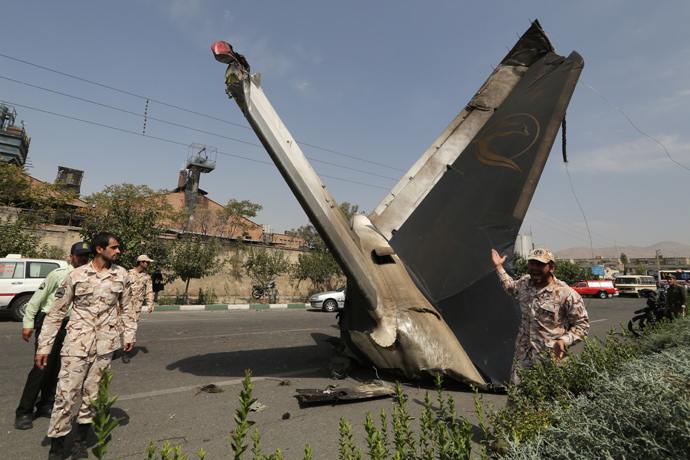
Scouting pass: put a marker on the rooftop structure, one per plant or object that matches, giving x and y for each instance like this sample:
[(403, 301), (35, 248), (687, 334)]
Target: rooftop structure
[(14, 143)]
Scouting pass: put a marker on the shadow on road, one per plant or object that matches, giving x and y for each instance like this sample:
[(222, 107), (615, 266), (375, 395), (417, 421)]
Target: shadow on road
[(265, 361)]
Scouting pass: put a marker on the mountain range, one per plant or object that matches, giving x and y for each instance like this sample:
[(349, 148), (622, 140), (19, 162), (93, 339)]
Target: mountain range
[(667, 248)]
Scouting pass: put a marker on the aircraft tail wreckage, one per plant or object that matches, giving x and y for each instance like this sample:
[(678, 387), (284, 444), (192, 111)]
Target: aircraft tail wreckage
[(422, 295)]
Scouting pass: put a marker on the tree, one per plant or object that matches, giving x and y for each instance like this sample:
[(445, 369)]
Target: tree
[(624, 259), (641, 269), (35, 203), (519, 265), (570, 273), (264, 266), (192, 258), (18, 190), (320, 268), (232, 220), (15, 240), (234, 215), (137, 215), (312, 237)]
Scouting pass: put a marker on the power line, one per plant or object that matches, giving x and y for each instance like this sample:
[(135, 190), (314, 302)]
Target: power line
[(185, 110), (146, 117), (172, 141), (635, 126), (572, 224)]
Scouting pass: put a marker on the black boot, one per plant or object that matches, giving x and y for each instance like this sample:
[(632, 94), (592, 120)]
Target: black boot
[(79, 447), (57, 448), (125, 358)]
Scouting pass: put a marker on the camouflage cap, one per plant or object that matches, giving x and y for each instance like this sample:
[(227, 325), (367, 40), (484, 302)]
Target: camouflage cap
[(542, 255), (671, 277), (144, 258)]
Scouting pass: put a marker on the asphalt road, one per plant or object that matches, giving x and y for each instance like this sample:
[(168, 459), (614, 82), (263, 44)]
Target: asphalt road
[(178, 352)]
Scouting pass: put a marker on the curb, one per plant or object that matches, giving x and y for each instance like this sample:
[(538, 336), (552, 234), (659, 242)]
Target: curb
[(259, 306)]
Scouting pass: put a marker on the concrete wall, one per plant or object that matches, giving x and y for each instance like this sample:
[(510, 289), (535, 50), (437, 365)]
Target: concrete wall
[(62, 237), (231, 286)]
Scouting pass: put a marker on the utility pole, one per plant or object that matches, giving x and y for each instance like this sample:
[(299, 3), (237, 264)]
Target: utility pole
[(658, 266)]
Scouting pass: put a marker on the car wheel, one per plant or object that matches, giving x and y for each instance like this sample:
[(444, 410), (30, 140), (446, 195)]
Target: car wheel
[(602, 294), (330, 305), (19, 307)]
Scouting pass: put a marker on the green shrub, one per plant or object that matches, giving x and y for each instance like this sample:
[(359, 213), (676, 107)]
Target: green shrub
[(549, 381), (640, 413)]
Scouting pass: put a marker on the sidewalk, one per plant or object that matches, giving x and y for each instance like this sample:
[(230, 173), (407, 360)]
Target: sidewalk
[(251, 306)]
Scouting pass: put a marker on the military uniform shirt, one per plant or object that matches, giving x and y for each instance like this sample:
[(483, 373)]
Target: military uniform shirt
[(142, 289), (552, 313), (676, 296), (45, 295), (94, 321)]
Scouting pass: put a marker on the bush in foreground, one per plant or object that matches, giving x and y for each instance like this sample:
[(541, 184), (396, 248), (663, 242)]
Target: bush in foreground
[(643, 412)]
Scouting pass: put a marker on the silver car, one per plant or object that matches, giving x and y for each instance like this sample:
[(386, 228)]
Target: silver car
[(329, 301)]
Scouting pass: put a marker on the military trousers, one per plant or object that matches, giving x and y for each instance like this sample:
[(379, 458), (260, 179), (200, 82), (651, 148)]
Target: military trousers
[(78, 380)]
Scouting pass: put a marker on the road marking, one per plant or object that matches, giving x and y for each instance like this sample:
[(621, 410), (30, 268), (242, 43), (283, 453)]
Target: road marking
[(233, 334), (598, 320), (238, 381)]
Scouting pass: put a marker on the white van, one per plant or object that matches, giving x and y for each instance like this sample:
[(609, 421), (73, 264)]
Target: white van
[(633, 284), (20, 278)]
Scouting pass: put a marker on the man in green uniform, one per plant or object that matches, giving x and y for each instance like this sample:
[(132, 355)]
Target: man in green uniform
[(44, 381)]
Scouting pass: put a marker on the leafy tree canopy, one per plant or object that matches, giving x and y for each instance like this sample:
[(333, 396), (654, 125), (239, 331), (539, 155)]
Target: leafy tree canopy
[(41, 200), (570, 273), (235, 214), (519, 265), (624, 258), (312, 237), (137, 215), (194, 258), (264, 266), (16, 238), (320, 268)]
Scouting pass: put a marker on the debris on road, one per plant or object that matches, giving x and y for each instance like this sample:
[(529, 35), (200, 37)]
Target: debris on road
[(210, 388), (332, 393)]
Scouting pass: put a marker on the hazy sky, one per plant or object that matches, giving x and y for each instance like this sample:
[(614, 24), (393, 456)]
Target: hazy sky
[(356, 83)]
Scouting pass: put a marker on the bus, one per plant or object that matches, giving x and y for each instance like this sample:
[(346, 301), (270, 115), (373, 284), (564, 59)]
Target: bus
[(633, 284), (682, 277)]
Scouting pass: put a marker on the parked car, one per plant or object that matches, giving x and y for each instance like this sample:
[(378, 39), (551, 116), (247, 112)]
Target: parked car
[(599, 288), (20, 278), (329, 301)]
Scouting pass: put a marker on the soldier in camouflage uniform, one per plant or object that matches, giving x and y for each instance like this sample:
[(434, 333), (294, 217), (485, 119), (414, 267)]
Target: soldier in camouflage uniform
[(93, 334), (142, 290), (553, 314)]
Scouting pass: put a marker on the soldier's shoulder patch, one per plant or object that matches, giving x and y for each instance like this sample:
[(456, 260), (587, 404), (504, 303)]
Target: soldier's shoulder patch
[(60, 293), (42, 286)]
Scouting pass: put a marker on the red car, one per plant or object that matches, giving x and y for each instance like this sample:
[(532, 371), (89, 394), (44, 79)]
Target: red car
[(599, 288)]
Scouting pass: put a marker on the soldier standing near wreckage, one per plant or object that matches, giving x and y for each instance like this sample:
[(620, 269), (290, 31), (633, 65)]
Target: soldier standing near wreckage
[(142, 290), (93, 334), (553, 314)]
